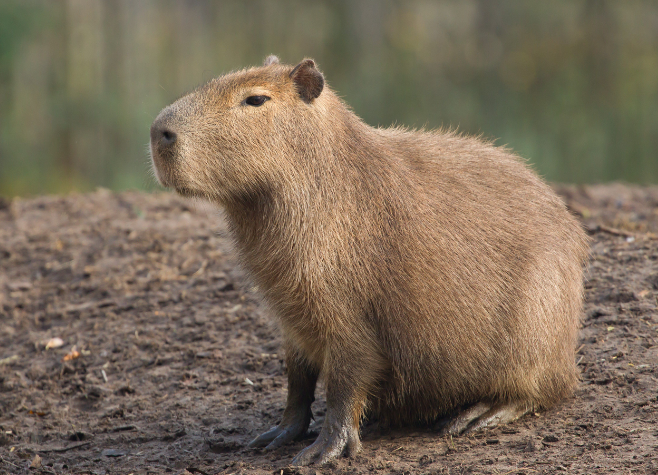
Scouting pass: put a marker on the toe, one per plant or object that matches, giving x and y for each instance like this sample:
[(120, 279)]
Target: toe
[(330, 446), (331, 452), (337, 444), (283, 438), (264, 439), (353, 446), (499, 415), (306, 456), (279, 435), (462, 421)]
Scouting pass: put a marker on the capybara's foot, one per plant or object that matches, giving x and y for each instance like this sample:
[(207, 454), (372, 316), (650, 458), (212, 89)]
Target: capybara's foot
[(285, 432), (334, 439), (485, 415)]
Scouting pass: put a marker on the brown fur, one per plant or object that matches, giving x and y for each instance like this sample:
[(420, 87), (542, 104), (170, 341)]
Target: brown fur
[(416, 272)]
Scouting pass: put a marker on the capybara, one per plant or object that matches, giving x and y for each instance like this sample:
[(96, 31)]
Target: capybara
[(420, 274)]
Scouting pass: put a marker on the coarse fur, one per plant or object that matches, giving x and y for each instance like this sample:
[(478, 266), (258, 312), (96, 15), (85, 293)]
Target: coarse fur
[(415, 272)]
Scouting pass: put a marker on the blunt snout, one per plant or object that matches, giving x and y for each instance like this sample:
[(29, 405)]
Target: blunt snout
[(164, 149), (163, 132), (162, 136)]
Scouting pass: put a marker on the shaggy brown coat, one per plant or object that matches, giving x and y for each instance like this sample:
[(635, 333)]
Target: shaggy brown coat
[(416, 272)]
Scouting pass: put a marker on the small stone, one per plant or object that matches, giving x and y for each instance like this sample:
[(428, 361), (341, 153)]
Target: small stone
[(36, 462)]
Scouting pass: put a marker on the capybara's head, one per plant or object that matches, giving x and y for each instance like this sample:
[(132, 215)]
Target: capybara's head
[(227, 139)]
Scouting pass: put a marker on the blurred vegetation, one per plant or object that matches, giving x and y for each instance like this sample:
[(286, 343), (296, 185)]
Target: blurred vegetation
[(570, 84)]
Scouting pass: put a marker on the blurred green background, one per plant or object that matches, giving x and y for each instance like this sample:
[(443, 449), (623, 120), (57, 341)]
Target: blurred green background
[(570, 84)]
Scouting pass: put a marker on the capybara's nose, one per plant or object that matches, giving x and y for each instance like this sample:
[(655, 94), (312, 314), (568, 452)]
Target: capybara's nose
[(162, 136)]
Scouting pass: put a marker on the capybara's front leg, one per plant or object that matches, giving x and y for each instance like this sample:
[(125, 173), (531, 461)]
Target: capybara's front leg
[(347, 381), (302, 378)]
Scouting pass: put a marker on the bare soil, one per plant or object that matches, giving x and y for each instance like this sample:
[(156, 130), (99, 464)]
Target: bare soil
[(169, 363)]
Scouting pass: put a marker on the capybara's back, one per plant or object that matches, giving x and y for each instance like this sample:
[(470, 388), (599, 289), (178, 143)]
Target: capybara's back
[(418, 273), (480, 289)]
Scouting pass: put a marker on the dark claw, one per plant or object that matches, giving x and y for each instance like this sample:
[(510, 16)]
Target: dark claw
[(279, 435), (265, 438), (483, 415), (283, 438)]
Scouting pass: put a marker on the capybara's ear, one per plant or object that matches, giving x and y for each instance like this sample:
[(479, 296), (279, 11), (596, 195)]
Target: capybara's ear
[(271, 59), (308, 80)]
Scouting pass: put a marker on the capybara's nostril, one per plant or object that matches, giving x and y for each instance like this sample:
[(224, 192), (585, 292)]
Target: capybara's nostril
[(161, 135), (168, 137)]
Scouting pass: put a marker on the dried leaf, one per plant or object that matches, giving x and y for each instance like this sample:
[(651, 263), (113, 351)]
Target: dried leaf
[(74, 353), (54, 343), (8, 360)]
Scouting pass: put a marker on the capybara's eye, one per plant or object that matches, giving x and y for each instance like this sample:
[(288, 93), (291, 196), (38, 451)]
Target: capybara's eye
[(256, 100)]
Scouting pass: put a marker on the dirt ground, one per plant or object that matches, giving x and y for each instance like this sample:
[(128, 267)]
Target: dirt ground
[(169, 363)]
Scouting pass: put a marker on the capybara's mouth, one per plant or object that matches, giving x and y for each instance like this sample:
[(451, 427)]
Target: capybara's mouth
[(160, 175), (162, 168), (167, 176)]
